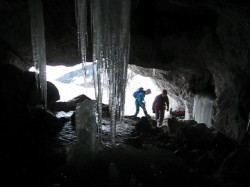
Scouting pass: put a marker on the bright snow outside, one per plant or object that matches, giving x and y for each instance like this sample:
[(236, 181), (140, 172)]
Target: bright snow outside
[(70, 83)]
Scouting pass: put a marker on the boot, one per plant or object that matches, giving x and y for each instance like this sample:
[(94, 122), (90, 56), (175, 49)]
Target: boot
[(147, 115), (136, 113)]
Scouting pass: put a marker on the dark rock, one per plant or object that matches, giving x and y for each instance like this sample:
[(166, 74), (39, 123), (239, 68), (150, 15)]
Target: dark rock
[(52, 95)]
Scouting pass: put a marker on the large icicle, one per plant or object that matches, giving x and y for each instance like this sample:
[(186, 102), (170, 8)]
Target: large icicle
[(187, 115), (117, 66), (99, 9), (110, 24), (38, 46), (81, 19)]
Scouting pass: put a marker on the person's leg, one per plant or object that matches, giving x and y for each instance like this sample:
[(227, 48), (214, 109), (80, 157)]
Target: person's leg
[(162, 113), (145, 111), (146, 114), (136, 108), (157, 114)]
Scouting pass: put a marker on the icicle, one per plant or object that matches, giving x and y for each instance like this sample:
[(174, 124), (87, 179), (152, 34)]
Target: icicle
[(203, 107), (38, 46), (81, 19), (119, 26), (187, 115), (98, 22), (110, 23), (98, 9)]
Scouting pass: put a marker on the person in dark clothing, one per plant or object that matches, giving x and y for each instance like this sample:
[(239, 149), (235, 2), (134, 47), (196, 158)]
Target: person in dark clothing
[(139, 102), (159, 105)]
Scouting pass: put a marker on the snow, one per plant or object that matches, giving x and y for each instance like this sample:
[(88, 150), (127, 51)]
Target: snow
[(70, 90)]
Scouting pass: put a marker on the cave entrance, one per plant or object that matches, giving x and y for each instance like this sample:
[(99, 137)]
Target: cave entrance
[(71, 83)]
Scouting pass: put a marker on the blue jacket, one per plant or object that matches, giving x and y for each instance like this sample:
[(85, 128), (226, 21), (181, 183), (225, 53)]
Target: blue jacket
[(140, 97)]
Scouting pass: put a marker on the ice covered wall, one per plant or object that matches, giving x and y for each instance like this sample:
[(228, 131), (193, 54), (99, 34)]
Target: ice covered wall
[(203, 109)]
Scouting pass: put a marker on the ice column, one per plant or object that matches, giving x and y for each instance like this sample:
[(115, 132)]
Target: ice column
[(203, 108), (85, 118), (117, 64), (82, 31), (81, 19), (187, 116), (99, 11), (111, 39), (38, 46)]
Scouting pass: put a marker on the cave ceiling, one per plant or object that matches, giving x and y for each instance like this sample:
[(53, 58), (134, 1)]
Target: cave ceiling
[(163, 33)]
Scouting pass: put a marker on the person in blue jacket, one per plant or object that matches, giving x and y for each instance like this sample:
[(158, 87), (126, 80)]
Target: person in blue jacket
[(139, 102)]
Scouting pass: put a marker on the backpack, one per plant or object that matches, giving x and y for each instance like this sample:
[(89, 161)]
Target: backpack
[(135, 94)]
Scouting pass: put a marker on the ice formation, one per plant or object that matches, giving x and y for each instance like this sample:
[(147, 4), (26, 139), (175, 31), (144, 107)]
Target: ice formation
[(85, 118), (110, 21), (38, 46), (203, 108)]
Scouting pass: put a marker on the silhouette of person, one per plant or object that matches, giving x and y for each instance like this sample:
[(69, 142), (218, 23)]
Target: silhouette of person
[(159, 106), (139, 102)]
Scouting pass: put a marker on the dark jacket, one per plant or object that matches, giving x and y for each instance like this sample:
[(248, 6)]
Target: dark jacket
[(160, 103)]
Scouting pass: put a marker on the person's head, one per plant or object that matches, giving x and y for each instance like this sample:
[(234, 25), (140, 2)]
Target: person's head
[(148, 91), (164, 93)]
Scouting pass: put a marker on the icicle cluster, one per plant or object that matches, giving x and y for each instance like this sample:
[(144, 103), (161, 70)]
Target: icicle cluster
[(110, 26), (38, 46), (110, 21)]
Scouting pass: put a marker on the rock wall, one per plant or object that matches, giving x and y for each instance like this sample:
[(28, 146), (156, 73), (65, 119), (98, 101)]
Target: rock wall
[(197, 47)]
